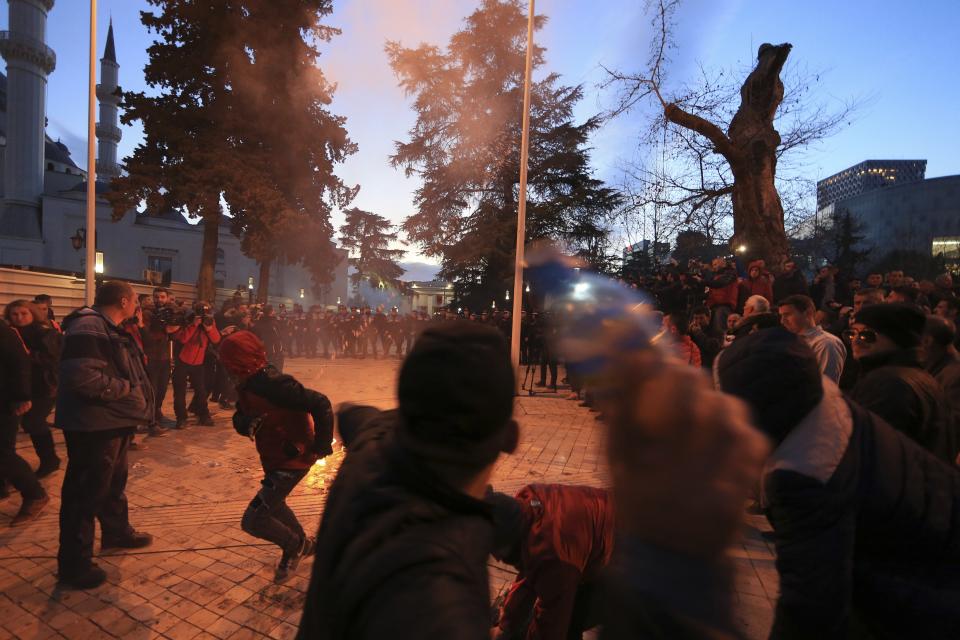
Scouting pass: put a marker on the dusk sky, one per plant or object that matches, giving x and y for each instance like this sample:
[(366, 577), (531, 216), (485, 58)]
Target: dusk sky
[(901, 56)]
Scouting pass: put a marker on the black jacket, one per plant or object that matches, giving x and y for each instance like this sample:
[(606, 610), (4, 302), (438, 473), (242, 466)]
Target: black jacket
[(14, 369), (399, 554), (867, 530), (894, 386), (789, 285)]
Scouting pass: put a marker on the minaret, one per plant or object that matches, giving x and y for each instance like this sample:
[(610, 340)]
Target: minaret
[(108, 92), (29, 62)]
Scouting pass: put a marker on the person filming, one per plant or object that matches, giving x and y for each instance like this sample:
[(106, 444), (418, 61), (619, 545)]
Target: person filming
[(196, 336)]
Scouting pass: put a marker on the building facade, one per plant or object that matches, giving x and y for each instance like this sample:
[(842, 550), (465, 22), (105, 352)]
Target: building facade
[(867, 176), (43, 214), (429, 297)]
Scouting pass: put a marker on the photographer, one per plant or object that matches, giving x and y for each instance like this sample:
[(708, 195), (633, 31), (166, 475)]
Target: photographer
[(198, 334), (161, 321)]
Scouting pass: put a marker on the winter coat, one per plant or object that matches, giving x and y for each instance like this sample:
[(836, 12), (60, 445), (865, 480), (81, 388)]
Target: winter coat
[(792, 284), (14, 369), (759, 286), (569, 542), (294, 425), (103, 383), (894, 386), (400, 554), (947, 374), (688, 351), (867, 529), (723, 288), (197, 340), (269, 330), (43, 345)]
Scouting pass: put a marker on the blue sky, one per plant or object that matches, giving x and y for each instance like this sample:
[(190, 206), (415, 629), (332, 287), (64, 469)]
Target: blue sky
[(902, 56)]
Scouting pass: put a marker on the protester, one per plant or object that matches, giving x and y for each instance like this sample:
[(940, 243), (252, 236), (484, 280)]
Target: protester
[(686, 349), (755, 305), (708, 340), (292, 427), (789, 282), (45, 305), (43, 344), (893, 384), (759, 282), (560, 539), (15, 393), (722, 290), (865, 520), (405, 535), (268, 329), (797, 315), (104, 394), (940, 360), (195, 337)]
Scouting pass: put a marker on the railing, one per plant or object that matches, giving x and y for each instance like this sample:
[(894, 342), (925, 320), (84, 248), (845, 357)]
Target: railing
[(18, 45), (109, 131)]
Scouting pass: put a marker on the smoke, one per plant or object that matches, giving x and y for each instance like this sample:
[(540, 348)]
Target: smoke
[(373, 297)]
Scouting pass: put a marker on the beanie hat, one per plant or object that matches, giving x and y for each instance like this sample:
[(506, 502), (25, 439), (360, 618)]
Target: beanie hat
[(243, 354), (455, 391), (777, 374), (509, 524), (901, 322)]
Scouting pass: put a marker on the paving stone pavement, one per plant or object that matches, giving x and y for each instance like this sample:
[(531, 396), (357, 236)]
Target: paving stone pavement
[(204, 578)]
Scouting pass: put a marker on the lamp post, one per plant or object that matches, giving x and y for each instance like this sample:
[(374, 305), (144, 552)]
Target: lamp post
[(98, 270), (250, 290), (522, 208), (89, 286)]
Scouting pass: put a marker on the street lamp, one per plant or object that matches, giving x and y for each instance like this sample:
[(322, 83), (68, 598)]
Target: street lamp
[(302, 295), (98, 263), (527, 288), (250, 289), (742, 248), (79, 239), (507, 296)]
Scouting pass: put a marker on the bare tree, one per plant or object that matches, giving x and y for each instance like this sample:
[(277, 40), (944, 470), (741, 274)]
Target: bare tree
[(719, 154)]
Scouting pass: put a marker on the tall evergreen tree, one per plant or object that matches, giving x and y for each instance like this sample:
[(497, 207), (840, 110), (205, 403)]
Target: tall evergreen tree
[(847, 234), (465, 146), (290, 141), (186, 160), (368, 237)]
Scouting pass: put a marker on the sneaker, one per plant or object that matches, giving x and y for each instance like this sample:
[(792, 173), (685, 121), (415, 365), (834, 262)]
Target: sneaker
[(47, 467), (181, 423), (30, 510), (92, 578), (133, 540), (156, 431), (290, 560), (206, 421)]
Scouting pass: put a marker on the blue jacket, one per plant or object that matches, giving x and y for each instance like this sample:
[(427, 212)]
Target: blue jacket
[(103, 381)]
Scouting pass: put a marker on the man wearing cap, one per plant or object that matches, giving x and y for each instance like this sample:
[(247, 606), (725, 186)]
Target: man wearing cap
[(885, 339), (403, 545)]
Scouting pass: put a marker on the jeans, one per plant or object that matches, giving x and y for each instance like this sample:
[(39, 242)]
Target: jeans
[(197, 377), (93, 487), (159, 373), (268, 517), (12, 466)]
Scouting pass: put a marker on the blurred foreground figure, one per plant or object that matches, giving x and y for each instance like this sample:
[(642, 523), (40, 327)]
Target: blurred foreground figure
[(403, 546), (292, 426), (683, 458), (559, 538), (866, 522)]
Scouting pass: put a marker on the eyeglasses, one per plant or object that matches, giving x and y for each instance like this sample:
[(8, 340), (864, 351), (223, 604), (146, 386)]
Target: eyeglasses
[(867, 336)]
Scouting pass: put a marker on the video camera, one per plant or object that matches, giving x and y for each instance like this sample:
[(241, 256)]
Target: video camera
[(170, 316), (202, 311)]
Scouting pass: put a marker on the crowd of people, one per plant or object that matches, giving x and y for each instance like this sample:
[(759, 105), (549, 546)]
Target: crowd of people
[(833, 407)]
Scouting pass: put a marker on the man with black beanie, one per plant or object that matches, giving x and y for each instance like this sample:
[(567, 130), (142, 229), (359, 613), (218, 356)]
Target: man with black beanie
[(403, 545), (866, 522), (885, 340)]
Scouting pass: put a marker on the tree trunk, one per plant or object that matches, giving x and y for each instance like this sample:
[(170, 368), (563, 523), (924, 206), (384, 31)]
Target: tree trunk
[(208, 256), (263, 288), (758, 230)]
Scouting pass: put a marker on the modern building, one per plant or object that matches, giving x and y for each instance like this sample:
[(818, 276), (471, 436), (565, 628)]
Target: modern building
[(919, 216), (43, 213), (867, 176)]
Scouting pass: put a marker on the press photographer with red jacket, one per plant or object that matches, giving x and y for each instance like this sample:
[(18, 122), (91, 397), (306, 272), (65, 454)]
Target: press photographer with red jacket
[(195, 337)]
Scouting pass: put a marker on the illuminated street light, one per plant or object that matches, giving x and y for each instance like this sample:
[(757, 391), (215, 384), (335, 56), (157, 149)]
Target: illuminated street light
[(528, 288), (742, 248), (98, 263), (507, 296), (250, 283), (302, 295)]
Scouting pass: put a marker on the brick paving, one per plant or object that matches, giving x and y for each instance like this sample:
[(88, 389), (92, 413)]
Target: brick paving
[(204, 578)]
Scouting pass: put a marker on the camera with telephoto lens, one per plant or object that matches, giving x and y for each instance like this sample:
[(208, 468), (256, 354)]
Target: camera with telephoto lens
[(201, 311), (170, 316)]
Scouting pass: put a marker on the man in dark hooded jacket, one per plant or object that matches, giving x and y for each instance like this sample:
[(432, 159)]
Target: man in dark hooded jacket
[(866, 522), (402, 549), (885, 339)]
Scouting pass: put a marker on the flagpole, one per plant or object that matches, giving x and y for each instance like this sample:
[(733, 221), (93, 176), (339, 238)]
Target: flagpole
[(522, 207), (89, 286)]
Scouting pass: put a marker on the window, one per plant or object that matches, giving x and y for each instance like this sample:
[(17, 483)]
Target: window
[(438, 300), (949, 246), (163, 264), (219, 278), (219, 256)]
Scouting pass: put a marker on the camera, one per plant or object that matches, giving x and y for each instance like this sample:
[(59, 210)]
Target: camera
[(170, 316)]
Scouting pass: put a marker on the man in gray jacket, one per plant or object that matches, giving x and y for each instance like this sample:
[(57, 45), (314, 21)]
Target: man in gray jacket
[(104, 394)]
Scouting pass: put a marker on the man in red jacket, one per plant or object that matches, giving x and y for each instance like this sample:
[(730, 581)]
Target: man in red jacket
[(559, 537), (292, 427), (195, 338)]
